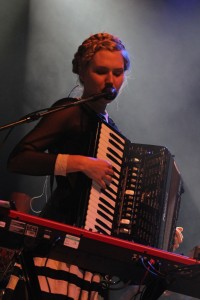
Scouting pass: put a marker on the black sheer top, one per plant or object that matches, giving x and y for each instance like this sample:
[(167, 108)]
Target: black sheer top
[(68, 131)]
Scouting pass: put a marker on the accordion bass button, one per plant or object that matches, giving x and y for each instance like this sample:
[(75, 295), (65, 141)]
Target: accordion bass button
[(125, 230), (129, 192), (125, 221)]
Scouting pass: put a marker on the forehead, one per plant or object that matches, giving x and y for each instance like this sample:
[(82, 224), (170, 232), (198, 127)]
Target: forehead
[(106, 58)]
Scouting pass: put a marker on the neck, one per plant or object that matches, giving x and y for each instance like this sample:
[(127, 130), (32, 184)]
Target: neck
[(97, 107)]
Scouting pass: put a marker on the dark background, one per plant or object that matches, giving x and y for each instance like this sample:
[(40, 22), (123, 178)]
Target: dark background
[(159, 104)]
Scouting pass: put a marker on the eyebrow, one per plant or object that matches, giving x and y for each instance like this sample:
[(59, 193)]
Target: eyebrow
[(106, 68)]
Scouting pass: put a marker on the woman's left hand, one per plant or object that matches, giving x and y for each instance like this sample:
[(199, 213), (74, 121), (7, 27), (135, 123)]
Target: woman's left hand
[(178, 237)]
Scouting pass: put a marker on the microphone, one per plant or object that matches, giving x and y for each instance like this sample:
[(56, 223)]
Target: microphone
[(110, 92)]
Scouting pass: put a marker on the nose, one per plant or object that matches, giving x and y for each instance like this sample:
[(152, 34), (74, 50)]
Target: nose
[(109, 78)]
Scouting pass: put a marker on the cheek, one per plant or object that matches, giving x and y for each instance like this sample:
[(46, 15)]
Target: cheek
[(97, 78), (96, 82), (119, 82), (92, 82)]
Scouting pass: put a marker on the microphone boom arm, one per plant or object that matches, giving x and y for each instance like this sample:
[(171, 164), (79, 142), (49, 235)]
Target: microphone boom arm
[(34, 116)]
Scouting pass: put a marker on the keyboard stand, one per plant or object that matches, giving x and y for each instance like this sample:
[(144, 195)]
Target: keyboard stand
[(30, 277)]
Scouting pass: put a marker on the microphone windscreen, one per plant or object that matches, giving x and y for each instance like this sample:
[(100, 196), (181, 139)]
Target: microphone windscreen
[(111, 92)]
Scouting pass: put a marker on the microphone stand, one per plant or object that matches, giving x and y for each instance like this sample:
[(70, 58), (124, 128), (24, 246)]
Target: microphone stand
[(34, 116)]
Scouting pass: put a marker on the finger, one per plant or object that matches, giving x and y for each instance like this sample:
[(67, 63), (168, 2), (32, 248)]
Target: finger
[(102, 183), (179, 236), (109, 172), (179, 232), (107, 178), (176, 244), (179, 228), (179, 240)]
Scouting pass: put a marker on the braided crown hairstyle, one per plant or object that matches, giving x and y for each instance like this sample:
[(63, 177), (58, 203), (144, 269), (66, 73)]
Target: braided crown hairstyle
[(96, 42)]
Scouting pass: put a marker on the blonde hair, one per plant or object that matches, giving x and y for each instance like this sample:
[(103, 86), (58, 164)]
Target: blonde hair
[(96, 42)]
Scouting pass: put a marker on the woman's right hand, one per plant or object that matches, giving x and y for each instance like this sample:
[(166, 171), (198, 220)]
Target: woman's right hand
[(97, 169)]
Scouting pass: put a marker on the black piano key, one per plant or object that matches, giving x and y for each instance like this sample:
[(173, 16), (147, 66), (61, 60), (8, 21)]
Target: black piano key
[(106, 202), (108, 195), (115, 181), (116, 145), (114, 153), (111, 157), (115, 178), (115, 163), (96, 206), (102, 224), (116, 171), (96, 217), (104, 216), (107, 142), (110, 189), (116, 139), (100, 230), (105, 209)]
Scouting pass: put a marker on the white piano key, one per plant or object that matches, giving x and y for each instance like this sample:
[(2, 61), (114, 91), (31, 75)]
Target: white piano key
[(110, 201), (105, 154), (112, 143), (96, 186), (91, 221), (102, 155), (93, 207), (96, 198), (96, 202), (94, 193), (90, 226), (112, 195), (113, 187), (115, 181), (105, 143), (109, 130)]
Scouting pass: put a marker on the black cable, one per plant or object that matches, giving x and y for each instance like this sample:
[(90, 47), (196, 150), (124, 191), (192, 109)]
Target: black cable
[(191, 271), (154, 287), (45, 265), (5, 138), (148, 268), (72, 90)]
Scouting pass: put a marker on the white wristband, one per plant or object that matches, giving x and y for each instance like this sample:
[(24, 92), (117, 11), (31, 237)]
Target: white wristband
[(61, 164)]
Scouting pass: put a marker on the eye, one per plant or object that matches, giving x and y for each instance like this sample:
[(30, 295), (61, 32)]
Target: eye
[(101, 71), (118, 73)]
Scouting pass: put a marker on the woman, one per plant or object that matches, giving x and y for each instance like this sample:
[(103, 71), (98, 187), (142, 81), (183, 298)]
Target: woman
[(100, 62), (58, 146)]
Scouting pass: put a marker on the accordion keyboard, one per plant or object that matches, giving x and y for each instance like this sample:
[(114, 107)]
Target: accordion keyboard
[(101, 204)]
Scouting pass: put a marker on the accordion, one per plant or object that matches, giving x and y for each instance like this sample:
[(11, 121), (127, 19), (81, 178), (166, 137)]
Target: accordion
[(142, 202)]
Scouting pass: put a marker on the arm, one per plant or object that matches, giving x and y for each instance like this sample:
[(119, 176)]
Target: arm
[(30, 156), (97, 169)]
